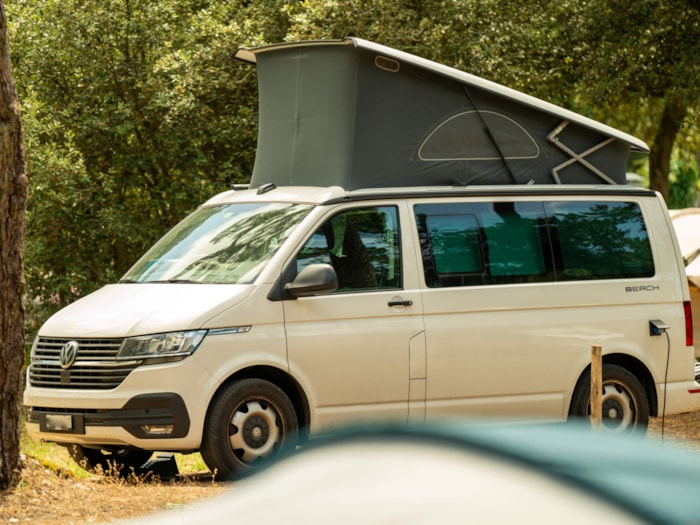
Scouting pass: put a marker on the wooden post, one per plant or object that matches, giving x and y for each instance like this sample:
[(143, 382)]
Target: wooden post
[(596, 386)]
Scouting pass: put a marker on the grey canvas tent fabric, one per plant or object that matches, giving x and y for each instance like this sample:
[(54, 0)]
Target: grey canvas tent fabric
[(355, 114)]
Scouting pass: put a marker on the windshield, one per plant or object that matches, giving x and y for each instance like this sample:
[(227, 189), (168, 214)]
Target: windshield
[(226, 244)]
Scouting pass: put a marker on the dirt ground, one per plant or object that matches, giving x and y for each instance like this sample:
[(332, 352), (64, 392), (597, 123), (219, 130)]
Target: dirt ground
[(54, 496), (49, 496), (682, 430)]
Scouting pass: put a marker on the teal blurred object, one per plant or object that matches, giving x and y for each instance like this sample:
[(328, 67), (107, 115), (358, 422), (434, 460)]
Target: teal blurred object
[(467, 472), (659, 482)]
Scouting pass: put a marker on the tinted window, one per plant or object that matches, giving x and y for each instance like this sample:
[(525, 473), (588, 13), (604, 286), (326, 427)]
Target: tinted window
[(483, 243), (363, 246), (456, 244), (600, 240), (467, 244)]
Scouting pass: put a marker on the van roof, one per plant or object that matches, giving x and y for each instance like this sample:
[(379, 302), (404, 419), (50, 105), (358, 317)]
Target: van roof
[(334, 194), (357, 114)]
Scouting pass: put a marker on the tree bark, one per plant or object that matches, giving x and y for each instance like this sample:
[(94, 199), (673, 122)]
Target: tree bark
[(672, 117), (13, 198)]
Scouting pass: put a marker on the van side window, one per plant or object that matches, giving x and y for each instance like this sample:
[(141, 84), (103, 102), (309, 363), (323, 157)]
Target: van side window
[(470, 244), (456, 244), (599, 240), (363, 246)]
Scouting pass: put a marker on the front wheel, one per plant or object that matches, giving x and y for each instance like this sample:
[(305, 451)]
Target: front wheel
[(625, 404), (249, 422)]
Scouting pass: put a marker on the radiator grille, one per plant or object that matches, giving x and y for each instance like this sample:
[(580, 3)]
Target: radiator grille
[(95, 366)]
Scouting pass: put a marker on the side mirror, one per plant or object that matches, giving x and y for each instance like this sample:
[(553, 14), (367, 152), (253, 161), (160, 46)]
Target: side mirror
[(314, 279)]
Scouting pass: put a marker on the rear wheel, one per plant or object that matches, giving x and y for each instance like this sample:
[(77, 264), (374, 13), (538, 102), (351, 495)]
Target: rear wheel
[(250, 422), (110, 461), (625, 404)]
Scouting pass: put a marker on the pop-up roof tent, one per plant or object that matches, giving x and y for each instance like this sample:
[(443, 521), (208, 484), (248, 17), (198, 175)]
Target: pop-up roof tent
[(356, 114)]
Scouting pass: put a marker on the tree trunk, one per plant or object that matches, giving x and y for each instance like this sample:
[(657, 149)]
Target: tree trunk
[(662, 148), (13, 198)]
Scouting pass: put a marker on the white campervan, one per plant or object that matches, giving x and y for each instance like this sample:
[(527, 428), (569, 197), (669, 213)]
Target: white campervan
[(286, 311)]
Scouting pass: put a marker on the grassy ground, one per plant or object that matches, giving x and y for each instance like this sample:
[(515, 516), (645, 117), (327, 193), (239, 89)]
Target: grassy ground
[(55, 491), (57, 458)]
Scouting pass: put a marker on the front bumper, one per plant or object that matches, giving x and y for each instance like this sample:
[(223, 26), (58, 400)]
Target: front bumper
[(147, 416)]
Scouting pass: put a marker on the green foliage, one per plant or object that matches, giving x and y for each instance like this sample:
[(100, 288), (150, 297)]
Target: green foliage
[(683, 188), (135, 111), (134, 114), (65, 219)]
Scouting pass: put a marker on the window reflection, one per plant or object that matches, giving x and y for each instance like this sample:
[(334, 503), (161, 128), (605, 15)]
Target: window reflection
[(227, 244)]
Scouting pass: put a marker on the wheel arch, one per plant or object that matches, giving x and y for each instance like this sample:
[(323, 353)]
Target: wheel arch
[(634, 366), (282, 380)]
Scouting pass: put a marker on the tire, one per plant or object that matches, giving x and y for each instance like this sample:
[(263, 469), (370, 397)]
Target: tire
[(249, 423), (625, 404), (112, 462)]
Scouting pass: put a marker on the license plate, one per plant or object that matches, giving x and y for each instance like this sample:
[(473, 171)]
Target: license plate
[(59, 422), (68, 423)]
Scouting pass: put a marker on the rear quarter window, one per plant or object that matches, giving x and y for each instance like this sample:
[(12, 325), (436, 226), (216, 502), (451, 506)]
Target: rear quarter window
[(599, 240)]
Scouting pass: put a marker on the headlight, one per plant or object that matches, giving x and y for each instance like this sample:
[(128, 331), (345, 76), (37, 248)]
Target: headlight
[(172, 344)]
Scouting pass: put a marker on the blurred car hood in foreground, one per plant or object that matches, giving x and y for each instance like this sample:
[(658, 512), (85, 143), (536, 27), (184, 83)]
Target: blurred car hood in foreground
[(557, 473)]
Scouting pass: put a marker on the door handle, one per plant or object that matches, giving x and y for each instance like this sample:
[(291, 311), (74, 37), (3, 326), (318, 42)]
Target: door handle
[(401, 303)]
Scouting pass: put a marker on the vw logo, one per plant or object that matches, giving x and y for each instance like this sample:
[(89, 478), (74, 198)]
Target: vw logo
[(68, 354)]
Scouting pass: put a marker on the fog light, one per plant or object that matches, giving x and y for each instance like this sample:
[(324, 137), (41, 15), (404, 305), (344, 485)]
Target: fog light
[(158, 430)]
